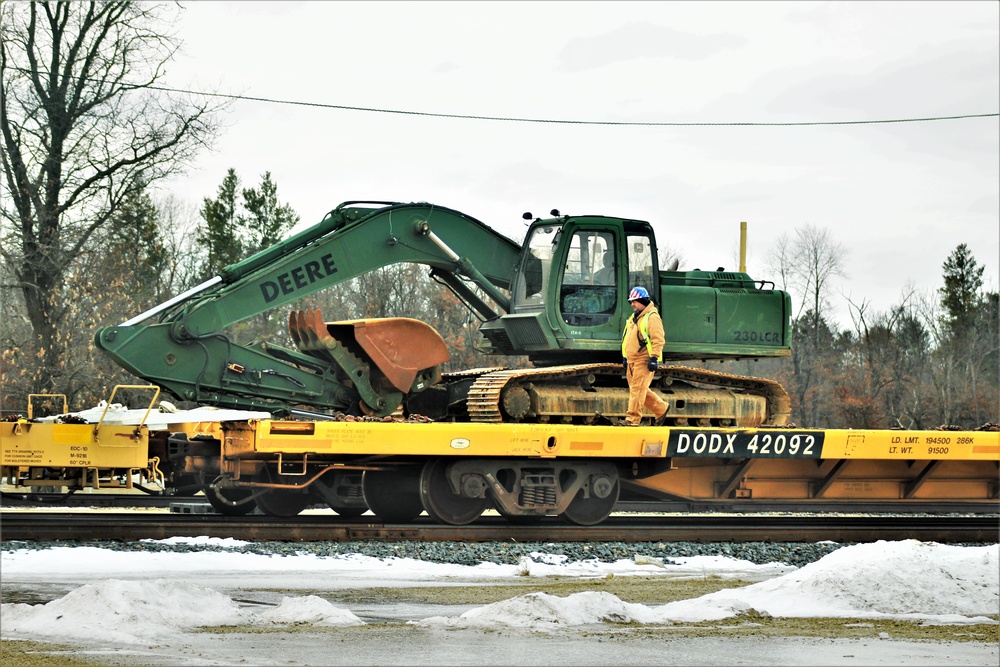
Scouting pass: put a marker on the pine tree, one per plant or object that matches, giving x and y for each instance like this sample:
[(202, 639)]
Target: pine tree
[(266, 221), (238, 223), (135, 245), (960, 296), (220, 236), (968, 351)]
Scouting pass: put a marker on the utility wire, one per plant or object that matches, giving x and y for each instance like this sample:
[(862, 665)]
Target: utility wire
[(512, 119), (556, 121)]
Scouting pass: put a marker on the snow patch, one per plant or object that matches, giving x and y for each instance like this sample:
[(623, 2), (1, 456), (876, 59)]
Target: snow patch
[(132, 612)]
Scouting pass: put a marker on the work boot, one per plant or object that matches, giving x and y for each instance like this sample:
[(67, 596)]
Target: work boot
[(604, 420), (659, 421)]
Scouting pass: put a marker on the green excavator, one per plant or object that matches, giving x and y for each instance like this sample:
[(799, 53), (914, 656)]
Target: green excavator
[(559, 299)]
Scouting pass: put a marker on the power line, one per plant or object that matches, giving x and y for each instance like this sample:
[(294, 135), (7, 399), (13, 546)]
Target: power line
[(558, 121), (512, 119)]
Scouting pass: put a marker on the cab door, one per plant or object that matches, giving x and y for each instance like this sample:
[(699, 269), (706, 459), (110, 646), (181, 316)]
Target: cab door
[(590, 290)]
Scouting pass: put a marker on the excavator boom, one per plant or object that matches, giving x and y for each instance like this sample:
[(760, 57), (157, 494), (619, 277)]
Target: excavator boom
[(185, 348)]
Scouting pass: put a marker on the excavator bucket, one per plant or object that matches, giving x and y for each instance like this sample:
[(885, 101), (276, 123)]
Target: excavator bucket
[(399, 347)]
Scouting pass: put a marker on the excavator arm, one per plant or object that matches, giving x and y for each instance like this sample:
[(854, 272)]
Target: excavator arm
[(185, 348)]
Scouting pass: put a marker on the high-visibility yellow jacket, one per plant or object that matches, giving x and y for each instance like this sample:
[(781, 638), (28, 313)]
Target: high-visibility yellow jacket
[(643, 336)]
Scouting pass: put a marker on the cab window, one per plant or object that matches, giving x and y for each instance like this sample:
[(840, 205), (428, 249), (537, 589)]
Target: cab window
[(589, 295)]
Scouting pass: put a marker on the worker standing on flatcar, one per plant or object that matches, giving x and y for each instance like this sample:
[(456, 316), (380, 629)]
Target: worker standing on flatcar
[(642, 351)]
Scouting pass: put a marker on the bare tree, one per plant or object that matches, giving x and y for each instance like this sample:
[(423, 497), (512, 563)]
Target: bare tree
[(671, 259), (779, 261), (85, 124), (885, 378), (178, 225), (816, 258), (804, 266)]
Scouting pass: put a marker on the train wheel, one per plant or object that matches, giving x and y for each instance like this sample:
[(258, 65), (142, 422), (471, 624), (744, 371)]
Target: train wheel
[(393, 495), (595, 509), (229, 502), (441, 503), (280, 502), (342, 492)]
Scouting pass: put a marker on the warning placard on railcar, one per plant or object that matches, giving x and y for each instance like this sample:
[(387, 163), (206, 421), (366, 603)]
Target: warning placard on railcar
[(745, 444)]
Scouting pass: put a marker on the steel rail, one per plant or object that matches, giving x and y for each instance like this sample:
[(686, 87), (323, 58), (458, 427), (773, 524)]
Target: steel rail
[(132, 500), (51, 526)]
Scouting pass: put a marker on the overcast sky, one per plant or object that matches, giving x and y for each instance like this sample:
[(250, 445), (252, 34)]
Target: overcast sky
[(899, 197)]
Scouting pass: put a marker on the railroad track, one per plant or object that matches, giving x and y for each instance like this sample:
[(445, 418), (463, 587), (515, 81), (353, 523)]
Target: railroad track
[(138, 500), (52, 526)]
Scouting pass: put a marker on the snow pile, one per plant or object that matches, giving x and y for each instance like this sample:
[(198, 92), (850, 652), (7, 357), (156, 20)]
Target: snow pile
[(310, 609), (681, 567), (541, 611), (135, 611), (123, 611), (220, 542), (908, 579), (912, 580)]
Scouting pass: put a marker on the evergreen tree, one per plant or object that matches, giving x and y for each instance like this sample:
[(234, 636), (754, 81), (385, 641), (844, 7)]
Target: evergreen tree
[(960, 296), (136, 248), (220, 236), (241, 222), (266, 220), (967, 354), (237, 224), (989, 329)]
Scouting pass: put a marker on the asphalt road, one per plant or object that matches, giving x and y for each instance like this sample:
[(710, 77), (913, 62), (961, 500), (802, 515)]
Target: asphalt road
[(409, 645)]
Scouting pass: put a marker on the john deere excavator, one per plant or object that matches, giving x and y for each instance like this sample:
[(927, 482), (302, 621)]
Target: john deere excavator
[(559, 299)]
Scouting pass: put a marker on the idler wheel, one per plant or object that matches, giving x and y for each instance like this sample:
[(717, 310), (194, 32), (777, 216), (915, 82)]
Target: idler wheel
[(516, 402)]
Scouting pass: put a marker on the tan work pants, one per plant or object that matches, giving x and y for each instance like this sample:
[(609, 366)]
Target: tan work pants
[(639, 394)]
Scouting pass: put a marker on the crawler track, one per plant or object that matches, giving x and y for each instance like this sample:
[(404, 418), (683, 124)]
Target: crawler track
[(486, 394), (50, 526)]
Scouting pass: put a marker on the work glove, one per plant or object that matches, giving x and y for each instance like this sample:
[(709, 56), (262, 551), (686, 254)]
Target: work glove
[(624, 364), (651, 364)]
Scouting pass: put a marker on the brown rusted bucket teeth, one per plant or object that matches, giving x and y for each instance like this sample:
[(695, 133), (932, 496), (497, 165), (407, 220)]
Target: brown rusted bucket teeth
[(310, 335), (399, 347)]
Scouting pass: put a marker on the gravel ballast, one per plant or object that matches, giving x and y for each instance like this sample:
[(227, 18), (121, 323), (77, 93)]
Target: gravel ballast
[(472, 553)]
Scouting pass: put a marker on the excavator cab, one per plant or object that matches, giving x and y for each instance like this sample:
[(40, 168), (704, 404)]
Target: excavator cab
[(569, 289), (568, 299)]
